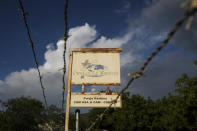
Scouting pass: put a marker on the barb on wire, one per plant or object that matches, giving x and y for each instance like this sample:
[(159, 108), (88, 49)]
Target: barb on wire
[(100, 117), (189, 12), (35, 59), (33, 50), (192, 7)]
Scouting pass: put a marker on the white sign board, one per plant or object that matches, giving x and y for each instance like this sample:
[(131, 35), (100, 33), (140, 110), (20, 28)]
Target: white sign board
[(94, 100), (96, 68)]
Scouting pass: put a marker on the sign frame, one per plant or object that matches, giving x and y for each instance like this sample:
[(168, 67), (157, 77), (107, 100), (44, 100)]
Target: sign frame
[(83, 50), (96, 50)]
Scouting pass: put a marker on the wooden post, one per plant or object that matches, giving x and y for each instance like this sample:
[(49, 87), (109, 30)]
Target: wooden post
[(68, 91), (108, 90), (83, 88)]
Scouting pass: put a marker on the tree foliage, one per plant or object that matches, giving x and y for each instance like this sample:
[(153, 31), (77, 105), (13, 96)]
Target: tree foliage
[(24, 113), (175, 112)]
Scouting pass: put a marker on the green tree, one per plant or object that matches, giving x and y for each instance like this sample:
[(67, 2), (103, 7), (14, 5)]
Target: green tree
[(186, 89), (175, 112), (22, 114), (55, 117)]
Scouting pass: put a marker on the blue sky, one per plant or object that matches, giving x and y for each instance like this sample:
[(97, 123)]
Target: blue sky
[(47, 26), (137, 26)]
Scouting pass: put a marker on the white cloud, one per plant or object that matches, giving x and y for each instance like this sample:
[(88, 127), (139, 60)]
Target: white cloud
[(127, 58), (26, 82), (54, 58), (79, 38), (104, 42), (82, 35), (2, 89)]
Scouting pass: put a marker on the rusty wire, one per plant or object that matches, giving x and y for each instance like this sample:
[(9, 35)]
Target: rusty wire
[(33, 50), (190, 12), (65, 38)]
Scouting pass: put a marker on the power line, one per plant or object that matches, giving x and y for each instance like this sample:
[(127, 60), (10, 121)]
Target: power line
[(33, 50), (190, 12)]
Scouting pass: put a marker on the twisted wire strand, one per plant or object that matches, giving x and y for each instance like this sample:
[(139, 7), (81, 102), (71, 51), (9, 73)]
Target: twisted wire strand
[(64, 52), (65, 38), (33, 51), (189, 12)]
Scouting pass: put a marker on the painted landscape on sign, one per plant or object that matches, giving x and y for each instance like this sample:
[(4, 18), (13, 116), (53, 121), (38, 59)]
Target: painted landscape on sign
[(95, 70)]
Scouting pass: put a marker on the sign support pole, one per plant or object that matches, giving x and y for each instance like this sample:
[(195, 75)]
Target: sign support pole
[(77, 113), (68, 92)]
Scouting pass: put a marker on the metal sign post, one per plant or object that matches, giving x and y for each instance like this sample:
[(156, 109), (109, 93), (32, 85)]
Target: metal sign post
[(68, 92), (77, 114)]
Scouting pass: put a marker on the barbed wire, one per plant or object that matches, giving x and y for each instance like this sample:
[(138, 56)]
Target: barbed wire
[(65, 38), (35, 60), (33, 50), (189, 13)]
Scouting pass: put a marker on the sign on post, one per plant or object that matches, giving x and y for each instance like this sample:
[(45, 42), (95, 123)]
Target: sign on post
[(92, 66), (94, 100), (96, 67)]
